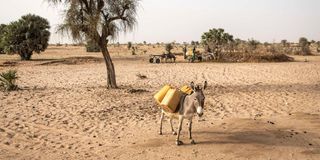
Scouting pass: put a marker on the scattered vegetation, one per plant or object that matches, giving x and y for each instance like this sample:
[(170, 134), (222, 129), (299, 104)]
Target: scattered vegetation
[(225, 48), (8, 80)]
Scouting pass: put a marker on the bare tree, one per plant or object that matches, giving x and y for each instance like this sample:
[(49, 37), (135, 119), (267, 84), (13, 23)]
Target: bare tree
[(99, 21)]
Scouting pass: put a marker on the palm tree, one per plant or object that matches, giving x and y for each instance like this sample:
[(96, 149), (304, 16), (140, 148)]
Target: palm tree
[(99, 21)]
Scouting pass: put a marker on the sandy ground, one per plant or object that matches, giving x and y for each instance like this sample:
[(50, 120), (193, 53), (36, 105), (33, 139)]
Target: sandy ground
[(252, 111)]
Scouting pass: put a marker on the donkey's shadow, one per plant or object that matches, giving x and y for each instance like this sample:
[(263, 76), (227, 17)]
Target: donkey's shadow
[(270, 137)]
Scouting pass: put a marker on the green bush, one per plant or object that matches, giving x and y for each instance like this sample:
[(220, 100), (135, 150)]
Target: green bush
[(8, 80), (27, 35)]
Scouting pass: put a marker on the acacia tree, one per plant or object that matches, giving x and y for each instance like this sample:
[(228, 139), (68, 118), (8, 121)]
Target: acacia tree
[(27, 35), (100, 21)]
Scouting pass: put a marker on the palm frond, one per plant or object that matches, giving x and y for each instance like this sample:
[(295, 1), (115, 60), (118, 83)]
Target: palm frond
[(8, 79)]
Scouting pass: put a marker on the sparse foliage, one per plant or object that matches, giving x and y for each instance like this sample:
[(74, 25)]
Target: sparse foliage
[(8, 80), (99, 21)]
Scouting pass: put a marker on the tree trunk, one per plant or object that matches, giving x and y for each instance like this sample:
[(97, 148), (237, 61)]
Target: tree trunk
[(111, 74), (25, 56)]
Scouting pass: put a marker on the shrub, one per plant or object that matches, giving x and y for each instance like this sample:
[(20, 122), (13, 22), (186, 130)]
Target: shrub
[(8, 79), (253, 45), (27, 35), (129, 45), (169, 47), (92, 47), (304, 45)]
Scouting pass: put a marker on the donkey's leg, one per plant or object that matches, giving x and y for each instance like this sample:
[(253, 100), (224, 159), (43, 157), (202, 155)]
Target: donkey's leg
[(190, 129), (161, 119), (173, 132), (178, 142)]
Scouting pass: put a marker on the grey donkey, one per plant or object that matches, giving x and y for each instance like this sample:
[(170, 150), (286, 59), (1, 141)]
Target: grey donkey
[(189, 105)]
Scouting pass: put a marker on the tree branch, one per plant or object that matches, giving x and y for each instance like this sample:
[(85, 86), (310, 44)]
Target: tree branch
[(85, 2), (121, 16)]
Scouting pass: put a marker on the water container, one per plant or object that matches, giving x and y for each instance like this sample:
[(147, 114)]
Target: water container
[(189, 53), (171, 100), (161, 94), (186, 89)]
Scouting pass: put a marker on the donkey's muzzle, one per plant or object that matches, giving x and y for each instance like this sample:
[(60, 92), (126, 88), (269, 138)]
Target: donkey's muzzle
[(199, 111)]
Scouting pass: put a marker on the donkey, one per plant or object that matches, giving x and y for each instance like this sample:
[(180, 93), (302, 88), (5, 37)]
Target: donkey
[(168, 56), (189, 105)]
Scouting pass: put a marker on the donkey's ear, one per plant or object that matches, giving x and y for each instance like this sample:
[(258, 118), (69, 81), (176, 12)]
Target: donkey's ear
[(192, 86), (205, 85)]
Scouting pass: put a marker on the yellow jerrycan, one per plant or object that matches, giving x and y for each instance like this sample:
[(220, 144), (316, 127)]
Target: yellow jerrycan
[(161, 94), (186, 89), (171, 100)]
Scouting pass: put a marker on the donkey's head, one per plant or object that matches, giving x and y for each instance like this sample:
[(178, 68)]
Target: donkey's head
[(198, 97)]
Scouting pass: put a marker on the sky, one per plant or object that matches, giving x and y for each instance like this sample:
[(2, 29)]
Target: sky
[(186, 20)]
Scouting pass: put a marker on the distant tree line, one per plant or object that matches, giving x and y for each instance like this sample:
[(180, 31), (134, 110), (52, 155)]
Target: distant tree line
[(221, 44)]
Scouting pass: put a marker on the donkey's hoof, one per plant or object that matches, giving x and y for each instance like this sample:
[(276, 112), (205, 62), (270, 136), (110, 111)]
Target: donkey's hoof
[(192, 142), (174, 133), (178, 143), (160, 133)]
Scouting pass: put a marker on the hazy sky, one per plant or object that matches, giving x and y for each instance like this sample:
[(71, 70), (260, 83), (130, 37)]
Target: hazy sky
[(186, 20)]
